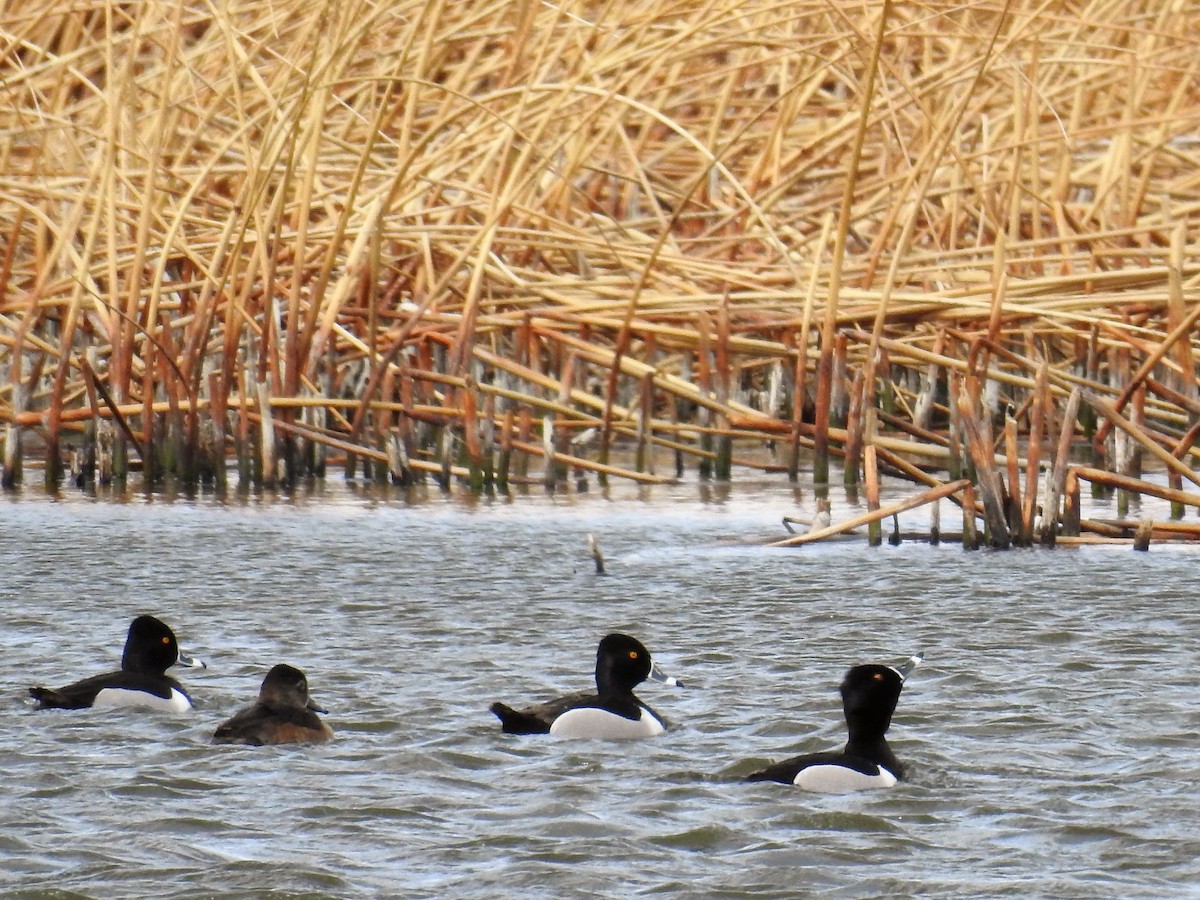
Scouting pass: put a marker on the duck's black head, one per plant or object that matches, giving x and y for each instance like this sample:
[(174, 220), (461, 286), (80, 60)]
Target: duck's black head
[(622, 663), (149, 647), (869, 697), (870, 694)]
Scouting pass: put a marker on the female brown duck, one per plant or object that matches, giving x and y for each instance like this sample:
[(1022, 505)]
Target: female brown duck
[(283, 714)]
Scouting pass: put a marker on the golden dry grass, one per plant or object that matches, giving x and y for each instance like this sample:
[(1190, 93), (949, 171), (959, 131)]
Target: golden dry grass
[(272, 191)]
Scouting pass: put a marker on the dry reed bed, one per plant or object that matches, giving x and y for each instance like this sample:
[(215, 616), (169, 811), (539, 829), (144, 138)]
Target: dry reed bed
[(448, 237)]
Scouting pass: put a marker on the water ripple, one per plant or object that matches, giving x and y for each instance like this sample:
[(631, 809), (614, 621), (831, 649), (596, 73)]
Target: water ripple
[(1050, 734)]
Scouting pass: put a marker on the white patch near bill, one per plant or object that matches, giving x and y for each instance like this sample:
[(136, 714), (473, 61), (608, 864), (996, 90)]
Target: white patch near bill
[(123, 697), (831, 779), (592, 722)]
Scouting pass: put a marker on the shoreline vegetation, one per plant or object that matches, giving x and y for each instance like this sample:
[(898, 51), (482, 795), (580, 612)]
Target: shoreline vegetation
[(489, 242)]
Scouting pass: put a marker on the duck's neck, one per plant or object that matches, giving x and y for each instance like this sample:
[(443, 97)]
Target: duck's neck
[(608, 683), (874, 747), (607, 686)]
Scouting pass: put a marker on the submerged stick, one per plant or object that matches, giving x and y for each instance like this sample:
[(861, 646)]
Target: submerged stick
[(1141, 538), (597, 556)]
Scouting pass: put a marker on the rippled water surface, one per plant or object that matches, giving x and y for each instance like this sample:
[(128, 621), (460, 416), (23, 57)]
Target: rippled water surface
[(1051, 734)]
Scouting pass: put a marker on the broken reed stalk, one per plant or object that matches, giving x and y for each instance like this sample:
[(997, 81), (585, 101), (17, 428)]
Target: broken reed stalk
[(871, 468), (1059, 475), (970, 531), (854, 431), (1037, 418), (1012, 496), (988, 484)]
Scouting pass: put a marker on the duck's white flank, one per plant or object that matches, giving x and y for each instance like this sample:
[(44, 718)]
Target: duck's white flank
[(123, 697), (832, 779), (592, 722)]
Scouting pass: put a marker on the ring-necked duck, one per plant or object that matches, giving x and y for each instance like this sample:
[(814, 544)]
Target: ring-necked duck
[(283, 714), (612, 712), (869, 695), (150, 649)]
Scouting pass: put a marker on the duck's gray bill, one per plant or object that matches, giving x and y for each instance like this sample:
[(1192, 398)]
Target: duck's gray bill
[(659, 675), (191, 662), (906, 667)]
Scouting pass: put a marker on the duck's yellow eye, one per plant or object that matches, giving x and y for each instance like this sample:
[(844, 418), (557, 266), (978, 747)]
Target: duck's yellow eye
[(877, 677), (166, 640), (633, 654)]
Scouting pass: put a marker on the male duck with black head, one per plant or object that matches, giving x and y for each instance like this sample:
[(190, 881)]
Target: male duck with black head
[(150, 649), (869, 697), (283, 714), (613, 711)]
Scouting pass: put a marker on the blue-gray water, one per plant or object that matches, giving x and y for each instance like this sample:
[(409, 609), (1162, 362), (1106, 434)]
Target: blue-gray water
[(1051, 734)]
